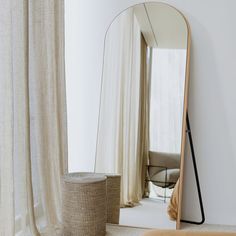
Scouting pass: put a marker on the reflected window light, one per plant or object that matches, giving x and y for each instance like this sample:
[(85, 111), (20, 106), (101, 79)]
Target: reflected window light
[(166, 99)]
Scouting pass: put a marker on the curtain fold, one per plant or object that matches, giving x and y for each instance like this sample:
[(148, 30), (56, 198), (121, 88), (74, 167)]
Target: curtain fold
[(119, 128), (6, 122), (47, 104), (33, 153), (143, 134)]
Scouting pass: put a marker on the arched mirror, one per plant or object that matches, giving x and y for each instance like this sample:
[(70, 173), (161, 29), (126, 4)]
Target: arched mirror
[(142, 118)]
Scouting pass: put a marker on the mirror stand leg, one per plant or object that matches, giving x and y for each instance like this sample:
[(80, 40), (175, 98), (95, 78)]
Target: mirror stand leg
[(196, 177)]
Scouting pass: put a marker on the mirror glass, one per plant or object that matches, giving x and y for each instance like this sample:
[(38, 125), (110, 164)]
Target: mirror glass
[(141, 111)]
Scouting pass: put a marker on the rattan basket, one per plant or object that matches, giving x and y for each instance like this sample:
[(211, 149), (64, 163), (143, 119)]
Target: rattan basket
[(113, 198), (84, 204)]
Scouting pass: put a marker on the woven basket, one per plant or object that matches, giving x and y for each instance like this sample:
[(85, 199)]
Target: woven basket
[(84, 204), (113, 198), (113, 194)]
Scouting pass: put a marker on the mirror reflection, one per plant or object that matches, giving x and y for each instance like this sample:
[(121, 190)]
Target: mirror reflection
[(141, 109)]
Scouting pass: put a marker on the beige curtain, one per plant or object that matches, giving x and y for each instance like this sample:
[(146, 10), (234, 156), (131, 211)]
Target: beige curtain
[(6, 120), (143, 135), (120, 149), (33, 146)]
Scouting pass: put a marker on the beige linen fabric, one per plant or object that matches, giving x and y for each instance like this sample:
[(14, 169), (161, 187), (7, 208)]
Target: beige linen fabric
[(143, 135), (6, 120), (119, 127), (33, 114)]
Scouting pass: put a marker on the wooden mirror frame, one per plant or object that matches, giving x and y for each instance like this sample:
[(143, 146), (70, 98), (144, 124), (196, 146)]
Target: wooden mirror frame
[(184, 123)]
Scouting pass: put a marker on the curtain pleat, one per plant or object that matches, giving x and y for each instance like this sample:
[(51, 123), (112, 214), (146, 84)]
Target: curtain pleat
[(47, 86), (143, 135), (33, 147), (6, 121)]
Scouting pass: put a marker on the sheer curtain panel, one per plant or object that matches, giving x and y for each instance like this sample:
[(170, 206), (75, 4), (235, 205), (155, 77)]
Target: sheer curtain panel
[(33, 137), (119, 129)]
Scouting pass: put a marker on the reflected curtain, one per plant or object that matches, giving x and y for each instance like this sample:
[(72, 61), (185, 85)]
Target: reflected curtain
[(121, 146), (33, 146), (144, 110)]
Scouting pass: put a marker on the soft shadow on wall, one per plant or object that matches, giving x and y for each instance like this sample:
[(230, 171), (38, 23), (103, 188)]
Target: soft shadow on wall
[(211, 130)]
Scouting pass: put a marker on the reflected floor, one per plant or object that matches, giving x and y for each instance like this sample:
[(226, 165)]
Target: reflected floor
[(151, 213)]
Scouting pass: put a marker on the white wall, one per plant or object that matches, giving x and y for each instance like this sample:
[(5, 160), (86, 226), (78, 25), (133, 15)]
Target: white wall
[(212, 101)]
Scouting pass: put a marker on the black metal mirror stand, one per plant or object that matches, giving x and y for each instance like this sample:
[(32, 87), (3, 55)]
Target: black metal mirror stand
[(196, 177)]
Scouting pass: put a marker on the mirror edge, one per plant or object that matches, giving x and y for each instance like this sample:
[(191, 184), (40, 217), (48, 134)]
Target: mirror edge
[(184, 123)]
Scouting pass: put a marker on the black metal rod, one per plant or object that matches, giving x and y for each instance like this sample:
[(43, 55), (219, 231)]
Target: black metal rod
[(196, 177)]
